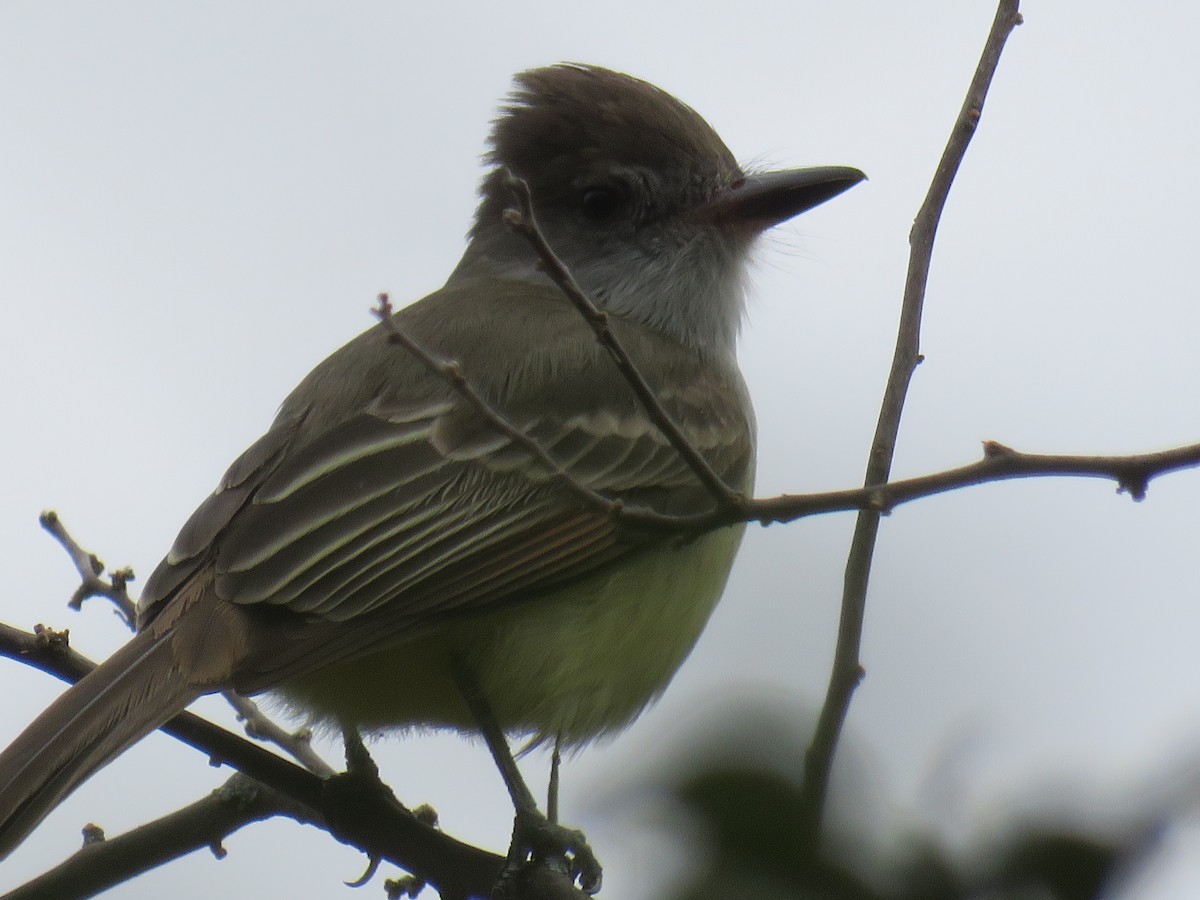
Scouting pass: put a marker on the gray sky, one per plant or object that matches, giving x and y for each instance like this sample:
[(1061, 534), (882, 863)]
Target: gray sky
[(198, 202)]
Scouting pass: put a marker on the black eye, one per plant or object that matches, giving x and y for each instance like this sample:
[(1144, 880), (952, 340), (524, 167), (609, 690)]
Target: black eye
[(600, 204)]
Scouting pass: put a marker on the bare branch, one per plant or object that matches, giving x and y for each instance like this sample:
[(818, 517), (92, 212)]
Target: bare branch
[(297, 744), (90, 568), (1132, 474), (102, 863), (847, 670), (377, 825)]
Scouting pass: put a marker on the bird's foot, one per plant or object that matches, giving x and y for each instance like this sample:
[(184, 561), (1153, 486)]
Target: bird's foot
[(537, 841)]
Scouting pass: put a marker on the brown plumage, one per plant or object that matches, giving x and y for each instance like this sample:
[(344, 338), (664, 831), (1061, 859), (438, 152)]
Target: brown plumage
[(382, 537)]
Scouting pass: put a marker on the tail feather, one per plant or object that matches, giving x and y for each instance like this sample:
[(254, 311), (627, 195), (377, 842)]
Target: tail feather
[(113, 707)]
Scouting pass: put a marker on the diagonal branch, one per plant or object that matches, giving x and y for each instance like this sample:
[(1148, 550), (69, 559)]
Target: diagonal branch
[(367, 819), (451, 372), (524, 223), (103, 863), (847, 670)]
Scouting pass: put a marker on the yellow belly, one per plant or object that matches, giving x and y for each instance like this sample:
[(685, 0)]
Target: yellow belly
[(580, 662)]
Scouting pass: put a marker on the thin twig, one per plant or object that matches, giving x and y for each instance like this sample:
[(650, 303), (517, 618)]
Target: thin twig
[(90, 568), (847, 670), (451, 372), (523, 221), (1132, 475), (298, 744)]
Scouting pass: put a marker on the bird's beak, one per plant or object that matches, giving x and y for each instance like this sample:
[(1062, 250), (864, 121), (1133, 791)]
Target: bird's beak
[(756, 202)]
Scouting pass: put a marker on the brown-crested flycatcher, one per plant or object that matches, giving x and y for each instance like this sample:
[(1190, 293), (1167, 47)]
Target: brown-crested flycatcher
[(384, 556)]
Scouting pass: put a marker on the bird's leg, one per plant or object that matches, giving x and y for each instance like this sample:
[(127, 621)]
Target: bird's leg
[(552, 790), (535, 837), (361, 787), (358, 759)]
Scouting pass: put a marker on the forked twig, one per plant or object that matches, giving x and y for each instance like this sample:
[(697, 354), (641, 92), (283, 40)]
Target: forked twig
[(298, 744), (90, 568)]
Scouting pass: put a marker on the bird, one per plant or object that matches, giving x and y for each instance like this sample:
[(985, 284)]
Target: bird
[(385, 556)]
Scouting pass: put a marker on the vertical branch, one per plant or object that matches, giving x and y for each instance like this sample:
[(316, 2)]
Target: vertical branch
[(847, 670)]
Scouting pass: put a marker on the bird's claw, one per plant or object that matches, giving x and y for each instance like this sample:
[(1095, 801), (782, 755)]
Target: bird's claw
[(539, 841)]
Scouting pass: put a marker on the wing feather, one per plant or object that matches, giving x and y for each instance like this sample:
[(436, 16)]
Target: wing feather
[(411, 508), (338, 531)]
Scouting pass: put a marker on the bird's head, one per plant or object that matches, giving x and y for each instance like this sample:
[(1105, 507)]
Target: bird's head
[(638, 195)]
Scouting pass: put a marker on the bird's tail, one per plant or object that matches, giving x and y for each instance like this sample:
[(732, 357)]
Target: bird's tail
[(121, 701)]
